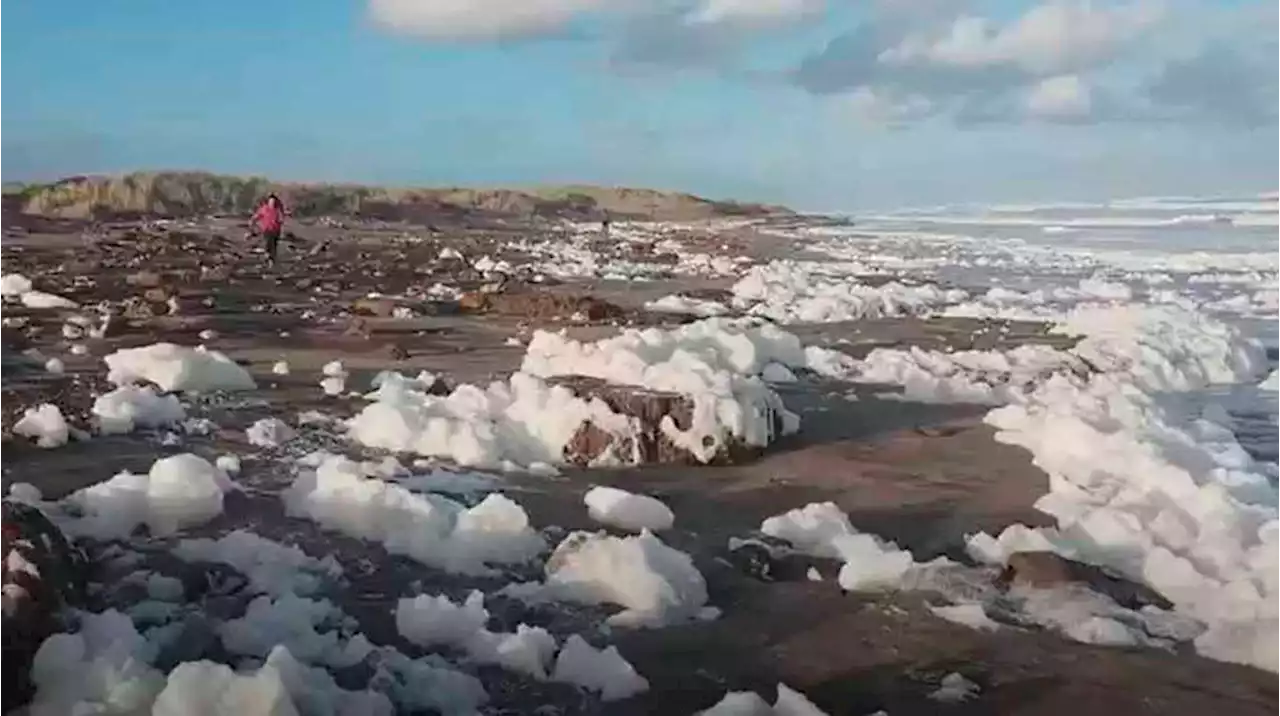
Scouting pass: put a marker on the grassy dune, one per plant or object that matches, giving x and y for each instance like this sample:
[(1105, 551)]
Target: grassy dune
[(176, 194)]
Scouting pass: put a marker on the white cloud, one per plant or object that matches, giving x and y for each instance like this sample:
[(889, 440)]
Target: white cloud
[(477, 19), (1058, 36), (753, 12), (877, 108), (1062, 97), (481, 20)]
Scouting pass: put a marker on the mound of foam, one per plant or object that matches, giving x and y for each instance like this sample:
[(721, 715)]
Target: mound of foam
[(1163, 495), (821, 529), (687, 305), (272, 568), (655, 584), (132, 406), (40, 299), (179, 491), (523, 421), (340, 495), (206, 688), (980, 377), (308, 627), (437, 621), (103, 668), (627, 510), (44, 424), (748, 703), (1164, 347), (602, 670), (811, 292), (177, 368), (280, 687), (14, 284)]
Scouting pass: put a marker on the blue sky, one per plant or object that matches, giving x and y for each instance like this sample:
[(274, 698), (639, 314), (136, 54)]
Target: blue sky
[(820, 104)]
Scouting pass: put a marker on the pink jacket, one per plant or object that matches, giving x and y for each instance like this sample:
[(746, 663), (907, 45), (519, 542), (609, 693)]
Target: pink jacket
[(269, 217)]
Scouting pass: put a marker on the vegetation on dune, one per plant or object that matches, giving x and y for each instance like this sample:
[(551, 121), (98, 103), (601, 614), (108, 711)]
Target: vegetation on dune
[(176, 194)]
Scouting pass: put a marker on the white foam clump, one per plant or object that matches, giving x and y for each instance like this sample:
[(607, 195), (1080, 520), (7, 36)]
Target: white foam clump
[(280, 687), (44, 424), (55, 366), (271, 567), (821, 529), (627, 510), (687, 305), (748, 703), (434, 530), (602, 670), (811, 292), (102, 668), (953, 689), (523, 421), (179, 491), (438, 621), (14, 284), (1163, 347), (979, 377), (269, 432), (132, 406), (655, 584), (298, 623), (40, 299), (229, 464), (176, 368), (280, 368), (428, 683), (335, 380)]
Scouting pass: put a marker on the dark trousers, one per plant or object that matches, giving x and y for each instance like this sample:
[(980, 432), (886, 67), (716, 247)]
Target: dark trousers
[(272, 239)]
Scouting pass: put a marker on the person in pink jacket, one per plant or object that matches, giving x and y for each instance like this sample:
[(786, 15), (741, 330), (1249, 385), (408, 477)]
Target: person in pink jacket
[(268, 220)]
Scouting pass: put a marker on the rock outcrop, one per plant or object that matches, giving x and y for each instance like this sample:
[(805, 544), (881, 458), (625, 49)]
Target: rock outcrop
[(650, 445)]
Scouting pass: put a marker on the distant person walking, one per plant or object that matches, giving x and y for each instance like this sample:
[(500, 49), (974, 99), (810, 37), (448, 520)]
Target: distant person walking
[(268, 221)]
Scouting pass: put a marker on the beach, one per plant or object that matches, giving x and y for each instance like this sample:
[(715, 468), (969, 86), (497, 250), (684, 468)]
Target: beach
[(860, 428)]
